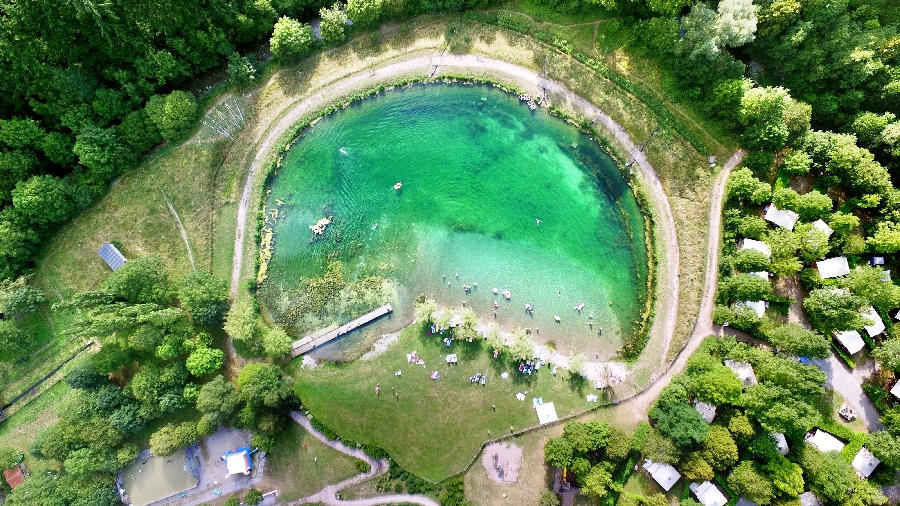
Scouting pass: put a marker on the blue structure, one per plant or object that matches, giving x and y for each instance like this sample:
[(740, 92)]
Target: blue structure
[(112, 256)]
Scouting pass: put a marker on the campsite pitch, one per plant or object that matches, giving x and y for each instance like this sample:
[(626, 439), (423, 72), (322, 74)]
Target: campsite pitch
[(502, 462)]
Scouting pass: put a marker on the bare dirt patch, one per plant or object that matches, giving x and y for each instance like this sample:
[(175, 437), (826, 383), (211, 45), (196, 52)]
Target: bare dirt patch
[(502, 462)]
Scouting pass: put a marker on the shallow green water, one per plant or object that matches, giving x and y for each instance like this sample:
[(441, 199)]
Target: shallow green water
[(478, 170)]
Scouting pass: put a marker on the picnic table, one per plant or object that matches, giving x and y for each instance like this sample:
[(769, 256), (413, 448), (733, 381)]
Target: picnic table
[(451, 358)]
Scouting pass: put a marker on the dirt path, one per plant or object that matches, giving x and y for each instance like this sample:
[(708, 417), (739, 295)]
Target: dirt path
[(640, 403), (181, 230), (328, 495)]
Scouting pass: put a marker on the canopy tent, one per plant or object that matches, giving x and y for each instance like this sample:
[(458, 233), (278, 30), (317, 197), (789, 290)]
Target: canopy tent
[(782, 218), (546, 413), (758, 306), (744, 372), (850, 340), (877, 326), (780, 443), (809, 499), (707, 494), (238, 461), (864, 463), (756, 245), (663, 473), (707, 411), (833, 267), (821, 225), (824, 441)]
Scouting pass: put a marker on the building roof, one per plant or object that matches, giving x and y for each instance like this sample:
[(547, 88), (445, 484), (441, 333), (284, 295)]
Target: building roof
[(780, 443), (896, 390), (707, 411), (864, 463), (757, 245), (546, 413), (782, 218), (824, 441), (833, 267), (744, 372), (821, 225), (758, 306), (877, 326), (14, 476), (809, 499), (112, 256), (851, 340), (663, 473), (708, 494)]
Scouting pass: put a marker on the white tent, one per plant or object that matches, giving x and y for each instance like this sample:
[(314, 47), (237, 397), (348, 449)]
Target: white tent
[(238, 463), (851, 340), (546, 413), (864, 463), (762, 274), (877, 326), (896, 390), (824, 441), (757, 245), (758, 306), (663, 473), (780, 443), (833, 267), (744, 372), (707, 494), (784, 219), (821, 225), (809, 499), (707, 411)]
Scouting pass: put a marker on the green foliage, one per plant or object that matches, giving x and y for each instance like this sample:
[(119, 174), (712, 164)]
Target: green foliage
[(558, 452), (796, 340), (334, 24), (173, 114), (597, 483), (797, 163), (138, 131), (695, 468), (813, 242), (885, 238), (364, 13), (618, 445), (204, 296), (744, 186), (232, 501), (786, 476), (886, 447), (276, 343), (18, 298), (718, 386), (548, 498), (43, 200), (171, 437), (103, 153), (719, 448), (253, 497), (141, 280), (888, 354), (586, 437), (750, 260), (240, 323), (681, 422), (290, 40), (203, 361), (828, 475), (742, 287), (830, 310), (777, 410), (866, 282), (241, 71), (746, 480), (784, 245)]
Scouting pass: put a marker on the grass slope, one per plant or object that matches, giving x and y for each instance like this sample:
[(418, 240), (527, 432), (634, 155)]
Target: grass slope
[(434, 428)]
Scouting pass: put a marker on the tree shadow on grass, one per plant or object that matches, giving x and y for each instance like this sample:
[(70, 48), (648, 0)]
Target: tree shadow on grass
[(577, 382)]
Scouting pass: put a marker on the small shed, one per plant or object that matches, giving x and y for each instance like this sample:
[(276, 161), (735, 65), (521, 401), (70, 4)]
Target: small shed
[(864, 463), (877, 326), (662, 473), (758, 306), (823, 441), (784, 219), (780, 443), (546, 413), (833, 267), (850, 340), (15, 476), (821, 225), (744, 372), (707, 411), (809, 499), (708, 494), (756, 245), (112, 256), (896, 390)]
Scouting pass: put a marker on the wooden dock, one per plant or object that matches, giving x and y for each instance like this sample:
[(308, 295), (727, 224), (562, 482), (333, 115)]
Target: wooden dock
[(325, 335)]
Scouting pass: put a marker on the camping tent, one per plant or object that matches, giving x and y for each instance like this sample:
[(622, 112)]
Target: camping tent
[(546, 413)]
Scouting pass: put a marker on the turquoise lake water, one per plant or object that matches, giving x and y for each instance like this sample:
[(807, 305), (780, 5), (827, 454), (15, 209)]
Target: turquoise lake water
[(478, 169)]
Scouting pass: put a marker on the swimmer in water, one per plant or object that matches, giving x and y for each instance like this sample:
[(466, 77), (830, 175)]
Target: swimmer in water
[(559, 293), (538, 222)]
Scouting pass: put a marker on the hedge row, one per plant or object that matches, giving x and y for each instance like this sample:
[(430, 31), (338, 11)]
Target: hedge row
[(509, 22)]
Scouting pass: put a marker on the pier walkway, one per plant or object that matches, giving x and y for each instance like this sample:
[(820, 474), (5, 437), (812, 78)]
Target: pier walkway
[(321, 337)]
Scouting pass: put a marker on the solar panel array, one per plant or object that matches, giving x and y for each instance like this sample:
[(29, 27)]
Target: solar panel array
[(112, 256)]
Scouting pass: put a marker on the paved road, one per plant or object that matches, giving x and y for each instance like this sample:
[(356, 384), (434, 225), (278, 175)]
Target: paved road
[(849, 384)]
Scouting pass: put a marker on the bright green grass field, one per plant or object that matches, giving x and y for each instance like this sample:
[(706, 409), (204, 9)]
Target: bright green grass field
[(434, 428)]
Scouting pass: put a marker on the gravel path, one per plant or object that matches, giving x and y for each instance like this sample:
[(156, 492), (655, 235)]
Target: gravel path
[(328, 495)]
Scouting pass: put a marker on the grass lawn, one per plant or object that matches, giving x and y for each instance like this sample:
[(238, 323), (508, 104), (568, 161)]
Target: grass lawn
[(19, 432), (434, 428), (295, 470)]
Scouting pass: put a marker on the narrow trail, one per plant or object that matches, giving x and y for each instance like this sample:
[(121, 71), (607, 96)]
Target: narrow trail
[(181, 230), (328, 495)]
